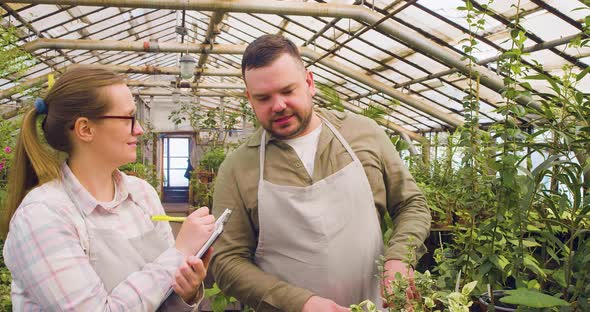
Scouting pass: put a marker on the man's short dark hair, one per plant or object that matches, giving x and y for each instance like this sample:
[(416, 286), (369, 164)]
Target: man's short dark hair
[(266, 49)]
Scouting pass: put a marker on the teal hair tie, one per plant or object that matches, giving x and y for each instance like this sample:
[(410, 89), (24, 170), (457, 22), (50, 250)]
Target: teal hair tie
[(40, 106)]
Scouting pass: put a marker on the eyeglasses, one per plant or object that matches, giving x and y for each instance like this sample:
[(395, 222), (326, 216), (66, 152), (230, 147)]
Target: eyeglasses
[(120, 117), (133, 119)]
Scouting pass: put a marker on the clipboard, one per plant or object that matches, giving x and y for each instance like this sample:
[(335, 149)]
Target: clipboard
[(219, 223), (216, 232)]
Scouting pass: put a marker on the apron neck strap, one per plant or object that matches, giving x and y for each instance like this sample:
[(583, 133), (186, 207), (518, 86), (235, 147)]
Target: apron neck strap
[(262, 154), (339, 137), (326, 122)]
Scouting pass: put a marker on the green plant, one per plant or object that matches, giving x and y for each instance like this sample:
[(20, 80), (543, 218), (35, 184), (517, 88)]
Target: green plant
[(398, 300), (476, 176), (219, 301), (145, 172), (145, 141), (213, 158), (518, 224), (202, 192), (429, 299), (13, 60), (247, 113), (201, 186), (5, 281), (230, 120), (210, 118), (539, 235), (365, 306), (331, 100), (399, 143), (563, 216), (375, 112), (437, 182), (8, 132), (331, 97), (550, 201), (188, 111)]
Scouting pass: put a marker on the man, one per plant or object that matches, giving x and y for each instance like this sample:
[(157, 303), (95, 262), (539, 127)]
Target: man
[(307, 190)]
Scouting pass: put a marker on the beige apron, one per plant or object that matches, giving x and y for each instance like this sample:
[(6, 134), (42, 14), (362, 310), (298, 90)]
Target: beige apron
[(114, 258), (324, 237)]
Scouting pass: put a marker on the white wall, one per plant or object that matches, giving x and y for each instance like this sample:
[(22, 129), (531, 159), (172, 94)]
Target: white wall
[(161, 107)]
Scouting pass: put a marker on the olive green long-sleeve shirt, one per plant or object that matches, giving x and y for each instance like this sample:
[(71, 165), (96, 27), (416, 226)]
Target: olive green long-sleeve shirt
[(394, 191)]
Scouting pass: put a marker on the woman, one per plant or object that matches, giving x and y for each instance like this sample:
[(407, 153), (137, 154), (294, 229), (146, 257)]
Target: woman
[(80, 235)]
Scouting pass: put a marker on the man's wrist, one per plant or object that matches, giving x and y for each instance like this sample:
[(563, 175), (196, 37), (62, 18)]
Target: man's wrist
[(411, 265)]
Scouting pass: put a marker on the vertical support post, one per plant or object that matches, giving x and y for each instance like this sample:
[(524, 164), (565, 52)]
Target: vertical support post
[(426, 152)]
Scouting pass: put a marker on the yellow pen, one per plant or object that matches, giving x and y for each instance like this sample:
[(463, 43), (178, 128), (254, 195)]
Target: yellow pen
[(168, 218)]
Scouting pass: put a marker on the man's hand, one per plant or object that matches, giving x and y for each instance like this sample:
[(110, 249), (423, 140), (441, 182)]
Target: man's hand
[(393, 266), (316, 303)]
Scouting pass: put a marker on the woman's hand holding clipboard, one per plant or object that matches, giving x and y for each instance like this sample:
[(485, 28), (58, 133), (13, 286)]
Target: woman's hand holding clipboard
[(219, 224)]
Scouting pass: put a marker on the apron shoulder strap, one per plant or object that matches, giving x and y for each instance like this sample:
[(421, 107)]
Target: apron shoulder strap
[(77, 218), (340, 138), (80, 225)]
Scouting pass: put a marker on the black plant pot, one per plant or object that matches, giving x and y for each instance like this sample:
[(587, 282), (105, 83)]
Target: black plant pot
[(484, 302)]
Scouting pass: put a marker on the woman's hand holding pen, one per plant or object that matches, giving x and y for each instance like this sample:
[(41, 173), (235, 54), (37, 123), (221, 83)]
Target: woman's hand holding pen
[(195, 231)]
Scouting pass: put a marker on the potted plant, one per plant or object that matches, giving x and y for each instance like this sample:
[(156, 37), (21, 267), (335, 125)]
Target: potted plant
[(431, 298)]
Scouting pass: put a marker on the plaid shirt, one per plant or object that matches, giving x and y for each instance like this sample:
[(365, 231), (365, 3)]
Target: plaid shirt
[(45, 248)]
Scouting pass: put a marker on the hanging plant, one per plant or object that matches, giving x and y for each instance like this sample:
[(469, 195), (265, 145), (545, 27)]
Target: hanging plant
[(331, 97), (248, 114), (375, 112), (13, 60)]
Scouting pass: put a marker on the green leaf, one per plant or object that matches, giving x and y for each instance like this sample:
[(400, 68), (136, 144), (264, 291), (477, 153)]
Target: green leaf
[(532, 228), (499, 261), (468, 288), (533, 264), (528, 243), (544, 165), (219, 304), (331, 96), (537, 77), (582, 74), (429, 303), (374, 112), (531, 298), (559, 277), (402, 145), (533, 284), (210, 292)]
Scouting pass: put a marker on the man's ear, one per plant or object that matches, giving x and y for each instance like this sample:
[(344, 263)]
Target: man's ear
[(248, 96), (84, 129), (310, 83)]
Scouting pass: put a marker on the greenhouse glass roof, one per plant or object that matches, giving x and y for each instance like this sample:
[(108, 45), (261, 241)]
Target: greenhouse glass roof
[(400, 55)]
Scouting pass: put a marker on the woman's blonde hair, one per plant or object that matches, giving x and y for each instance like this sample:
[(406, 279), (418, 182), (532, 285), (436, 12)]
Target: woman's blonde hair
[(75, 94)]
